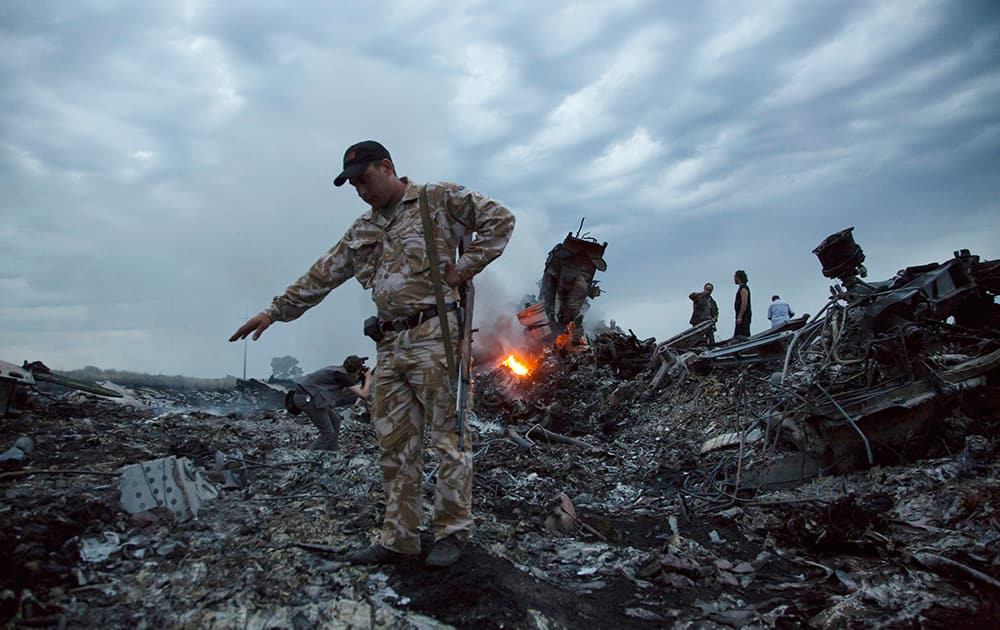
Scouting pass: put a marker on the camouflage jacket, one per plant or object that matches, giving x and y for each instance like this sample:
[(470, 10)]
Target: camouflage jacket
[(388, 253), (704, 308)]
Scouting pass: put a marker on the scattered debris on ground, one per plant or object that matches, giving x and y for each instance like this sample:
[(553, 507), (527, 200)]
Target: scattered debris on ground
[(839, 473)]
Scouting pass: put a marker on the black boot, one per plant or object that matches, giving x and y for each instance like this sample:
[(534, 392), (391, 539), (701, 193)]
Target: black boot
[(376, 554), (445, 552), (325, 443), (329, 434)]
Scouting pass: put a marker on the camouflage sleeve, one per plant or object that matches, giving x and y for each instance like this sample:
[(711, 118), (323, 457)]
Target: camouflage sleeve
[(492, 222), (325, 275)]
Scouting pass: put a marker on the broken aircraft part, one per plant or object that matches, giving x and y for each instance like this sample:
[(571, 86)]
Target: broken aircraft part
[(568, 280), (841, 257), (10, 376), (37, 372), (872, 377)]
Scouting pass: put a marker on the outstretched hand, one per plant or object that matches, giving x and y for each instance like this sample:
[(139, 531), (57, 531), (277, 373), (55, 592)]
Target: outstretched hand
[(256, 324)]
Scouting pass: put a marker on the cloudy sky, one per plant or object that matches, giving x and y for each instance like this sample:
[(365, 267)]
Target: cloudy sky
[(166, 167)]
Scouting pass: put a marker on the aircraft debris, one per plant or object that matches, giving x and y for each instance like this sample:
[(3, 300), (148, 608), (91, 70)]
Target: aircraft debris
[(736, 492)]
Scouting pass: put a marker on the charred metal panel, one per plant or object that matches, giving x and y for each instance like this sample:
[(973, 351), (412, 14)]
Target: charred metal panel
[(568, 280), (10, 376)]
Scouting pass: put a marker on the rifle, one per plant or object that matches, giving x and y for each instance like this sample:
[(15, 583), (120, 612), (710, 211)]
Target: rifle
[(463, 374), (463, 384)]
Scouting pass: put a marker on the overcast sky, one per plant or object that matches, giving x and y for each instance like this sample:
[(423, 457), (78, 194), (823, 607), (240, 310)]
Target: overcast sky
[(166, 167)]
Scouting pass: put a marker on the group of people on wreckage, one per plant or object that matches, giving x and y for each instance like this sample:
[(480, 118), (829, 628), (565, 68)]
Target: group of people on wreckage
[(403, 249), (704, 309)]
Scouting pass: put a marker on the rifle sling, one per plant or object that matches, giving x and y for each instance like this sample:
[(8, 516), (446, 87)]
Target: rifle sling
[(432, 253)]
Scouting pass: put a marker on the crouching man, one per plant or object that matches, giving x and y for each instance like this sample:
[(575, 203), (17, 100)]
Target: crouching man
[(319, 393)]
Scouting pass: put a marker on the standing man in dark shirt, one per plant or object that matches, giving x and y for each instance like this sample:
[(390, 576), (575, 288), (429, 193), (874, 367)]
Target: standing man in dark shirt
[(320, 392), (705, 309), (742, 305)]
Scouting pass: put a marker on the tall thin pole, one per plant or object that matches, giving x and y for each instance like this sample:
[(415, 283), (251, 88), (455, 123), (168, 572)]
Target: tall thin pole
[(246, 314)]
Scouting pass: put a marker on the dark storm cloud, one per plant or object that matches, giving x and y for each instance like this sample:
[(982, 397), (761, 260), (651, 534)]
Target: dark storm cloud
[(167, 166)]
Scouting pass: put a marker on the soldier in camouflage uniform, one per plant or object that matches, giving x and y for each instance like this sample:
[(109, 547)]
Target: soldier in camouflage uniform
[(386, 252), (703, 309)]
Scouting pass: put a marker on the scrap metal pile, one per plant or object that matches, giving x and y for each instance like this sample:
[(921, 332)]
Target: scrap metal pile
[(564, 292), (902, 373), (871, 377), (844, 474), (866, 380)]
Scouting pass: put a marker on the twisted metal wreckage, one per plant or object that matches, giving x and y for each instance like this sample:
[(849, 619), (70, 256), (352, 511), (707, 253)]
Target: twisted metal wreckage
[(565, 289), (865, 380), (27, 374), (632, 528)]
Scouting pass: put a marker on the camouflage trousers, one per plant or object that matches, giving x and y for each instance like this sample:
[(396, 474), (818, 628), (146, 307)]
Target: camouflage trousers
[(412, 391)]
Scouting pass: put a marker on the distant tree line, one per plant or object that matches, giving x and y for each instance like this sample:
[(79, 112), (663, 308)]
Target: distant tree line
[(156, 381), (285, 368)]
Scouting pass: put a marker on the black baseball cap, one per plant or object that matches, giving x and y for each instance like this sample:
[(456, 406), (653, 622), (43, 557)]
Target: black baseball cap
[(353, 363), (357, 157)]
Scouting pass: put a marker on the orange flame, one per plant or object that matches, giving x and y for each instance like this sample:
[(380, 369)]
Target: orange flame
[(515, 366)]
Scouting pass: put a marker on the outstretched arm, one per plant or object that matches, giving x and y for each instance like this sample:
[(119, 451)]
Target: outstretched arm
[(327, 273)]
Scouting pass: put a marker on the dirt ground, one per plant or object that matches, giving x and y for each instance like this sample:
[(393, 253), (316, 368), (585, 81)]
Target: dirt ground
[(912, 543)]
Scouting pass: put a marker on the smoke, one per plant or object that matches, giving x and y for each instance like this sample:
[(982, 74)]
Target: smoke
[(496, 339), (498, 331)]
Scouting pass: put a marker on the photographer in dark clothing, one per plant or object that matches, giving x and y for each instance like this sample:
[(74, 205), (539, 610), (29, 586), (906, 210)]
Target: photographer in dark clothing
[(320, 392)]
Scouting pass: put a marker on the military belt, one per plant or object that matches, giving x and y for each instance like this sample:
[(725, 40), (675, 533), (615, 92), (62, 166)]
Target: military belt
[(412, 321)]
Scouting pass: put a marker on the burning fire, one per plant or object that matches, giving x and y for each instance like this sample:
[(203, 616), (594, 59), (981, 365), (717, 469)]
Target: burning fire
[(570, 339), (515, 366)]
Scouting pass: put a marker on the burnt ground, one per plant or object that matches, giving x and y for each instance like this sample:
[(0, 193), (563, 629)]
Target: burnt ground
[(660, 539)]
